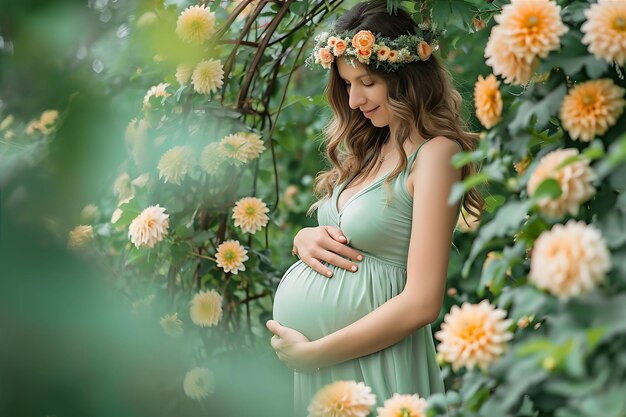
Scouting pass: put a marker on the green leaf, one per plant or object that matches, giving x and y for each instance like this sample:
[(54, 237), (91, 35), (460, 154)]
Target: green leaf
[(549, 188), (460, 188), (492, 202), (441, 13)]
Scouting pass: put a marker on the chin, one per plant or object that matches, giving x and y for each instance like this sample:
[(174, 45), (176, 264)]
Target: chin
[(378, 124)]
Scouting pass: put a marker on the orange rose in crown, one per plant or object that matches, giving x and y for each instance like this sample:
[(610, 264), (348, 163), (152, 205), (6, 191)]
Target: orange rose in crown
[(424, 50), (326, 58), (364, 40), (340, 47)]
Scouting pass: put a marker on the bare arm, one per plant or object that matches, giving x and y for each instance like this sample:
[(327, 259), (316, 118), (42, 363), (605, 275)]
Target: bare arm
[(429, 249)]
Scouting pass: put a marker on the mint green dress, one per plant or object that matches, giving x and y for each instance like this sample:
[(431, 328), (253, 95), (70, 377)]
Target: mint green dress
[(316, 305)]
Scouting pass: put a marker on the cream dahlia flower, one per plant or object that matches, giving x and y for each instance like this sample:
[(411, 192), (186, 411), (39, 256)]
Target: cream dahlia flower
[(47, 120), (171, 325), (80, 235), (199, 383), (137, 130), (176, 163), (253, 147), (208, 76), (150, 227), (531, 28), (249, 213), (146, 19), (342, 399), (234, 147), (473, 334), (183, 73), (206, 308), (90, 214), (569, 260), (117, 213), (230, 256), (504, 62), (159, 90), (122, 187), (211, 158), (141, 180), (574, 179), (605, 30), (591, 108), (488, 100), (195, 24), (403, 406)]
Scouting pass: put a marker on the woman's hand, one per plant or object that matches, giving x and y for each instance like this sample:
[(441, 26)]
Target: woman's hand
[(315, 245), (292, 347)]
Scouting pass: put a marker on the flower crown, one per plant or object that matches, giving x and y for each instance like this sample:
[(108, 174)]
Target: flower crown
[(384, 53)]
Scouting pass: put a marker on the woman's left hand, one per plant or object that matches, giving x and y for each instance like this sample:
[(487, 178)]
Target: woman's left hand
[(292, 347)]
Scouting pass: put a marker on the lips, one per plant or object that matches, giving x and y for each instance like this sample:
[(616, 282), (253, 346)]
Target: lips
[(369, 112)]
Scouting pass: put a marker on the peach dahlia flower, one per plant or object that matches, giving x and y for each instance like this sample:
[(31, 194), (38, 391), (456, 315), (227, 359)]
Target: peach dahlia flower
[(249, 213), (605, 30), (473, 334), (591, 108), (208, 76), (504, 62), (80, 235), (526, 30), (211, 158), (254, 145), (488, 100), (195, 24), (569, 260), (342, 399), (176, 163), (233, 146), (206, 308), (574, 179), (230, 256), (150, 227), (199, 383), (403, 406), (531, 28)]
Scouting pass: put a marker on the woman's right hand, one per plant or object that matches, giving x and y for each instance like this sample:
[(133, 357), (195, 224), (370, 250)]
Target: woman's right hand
[(315, 245)]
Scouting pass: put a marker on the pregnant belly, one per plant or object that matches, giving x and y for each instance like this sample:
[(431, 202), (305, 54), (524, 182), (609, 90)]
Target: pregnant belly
[(316, 306)]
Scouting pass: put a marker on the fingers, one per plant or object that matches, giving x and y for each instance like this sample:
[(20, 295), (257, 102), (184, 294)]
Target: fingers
[(340, 262), (318, 266), (346, 251), (336, 234), (274, 327)]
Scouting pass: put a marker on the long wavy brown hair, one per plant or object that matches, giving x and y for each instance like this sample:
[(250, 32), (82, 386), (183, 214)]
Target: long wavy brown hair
[(421, 95)]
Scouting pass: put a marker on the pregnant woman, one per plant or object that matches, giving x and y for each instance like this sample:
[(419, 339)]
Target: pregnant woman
[(359, 303)]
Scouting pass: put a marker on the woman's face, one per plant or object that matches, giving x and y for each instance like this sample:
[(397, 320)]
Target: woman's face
[(367, 93)]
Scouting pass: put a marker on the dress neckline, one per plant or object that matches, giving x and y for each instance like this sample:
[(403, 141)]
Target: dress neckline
[(341, 187)]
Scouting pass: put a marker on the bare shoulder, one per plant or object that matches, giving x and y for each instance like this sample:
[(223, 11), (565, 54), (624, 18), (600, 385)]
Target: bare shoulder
[(436, 155), (439, 147), (433, 164)]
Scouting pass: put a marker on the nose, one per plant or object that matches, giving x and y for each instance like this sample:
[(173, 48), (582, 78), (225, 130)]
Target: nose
[(355, 97)]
